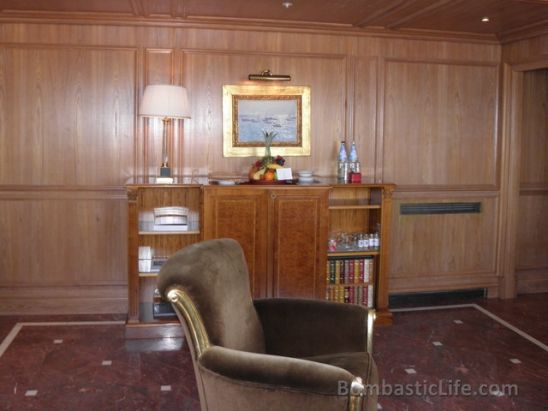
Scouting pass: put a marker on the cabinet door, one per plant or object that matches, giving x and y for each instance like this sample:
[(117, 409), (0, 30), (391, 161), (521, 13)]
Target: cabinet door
[(299, 237), (241, 214)]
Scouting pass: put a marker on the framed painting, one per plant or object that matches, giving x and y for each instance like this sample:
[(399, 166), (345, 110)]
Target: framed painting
[(249, 111)]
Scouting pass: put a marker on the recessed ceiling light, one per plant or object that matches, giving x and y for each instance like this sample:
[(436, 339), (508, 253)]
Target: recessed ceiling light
[(485, 19), (287, 4)]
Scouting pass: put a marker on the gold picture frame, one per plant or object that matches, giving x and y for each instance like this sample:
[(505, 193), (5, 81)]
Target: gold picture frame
[(249, 110)]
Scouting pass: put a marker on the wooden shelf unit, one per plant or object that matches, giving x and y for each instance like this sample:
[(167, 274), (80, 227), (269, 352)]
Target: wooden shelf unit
[(144, 198), (362, 208), (283, 231)]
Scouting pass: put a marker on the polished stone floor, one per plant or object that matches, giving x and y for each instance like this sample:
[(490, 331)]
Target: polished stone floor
[(85, 363)]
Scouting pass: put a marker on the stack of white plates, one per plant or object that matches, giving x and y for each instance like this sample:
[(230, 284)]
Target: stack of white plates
[(305, 177)]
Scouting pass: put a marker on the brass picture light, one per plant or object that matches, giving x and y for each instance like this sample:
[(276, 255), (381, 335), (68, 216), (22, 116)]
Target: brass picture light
[(266, 75)]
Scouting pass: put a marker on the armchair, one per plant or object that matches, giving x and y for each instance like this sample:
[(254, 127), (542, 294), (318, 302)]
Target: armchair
[(267, 354)]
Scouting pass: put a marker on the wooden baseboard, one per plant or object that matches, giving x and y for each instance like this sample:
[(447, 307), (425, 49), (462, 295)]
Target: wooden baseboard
[(107, 299), (532, 281)]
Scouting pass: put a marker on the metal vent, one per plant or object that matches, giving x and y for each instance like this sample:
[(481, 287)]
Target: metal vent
[(440, 208)]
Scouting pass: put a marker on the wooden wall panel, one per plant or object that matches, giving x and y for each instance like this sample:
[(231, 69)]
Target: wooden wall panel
[(439, 124), (68, 122), (63, 241), (534, 144), (446, 251), (532, 227), (365, 113), (67, 115), (326, 76), (532, 242)]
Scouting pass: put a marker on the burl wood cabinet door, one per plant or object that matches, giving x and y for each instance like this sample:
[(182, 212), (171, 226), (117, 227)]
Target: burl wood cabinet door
[(242, 214), (299, 237)]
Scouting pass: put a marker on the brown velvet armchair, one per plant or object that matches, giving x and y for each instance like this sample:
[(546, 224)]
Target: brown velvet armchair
[(267, 354)]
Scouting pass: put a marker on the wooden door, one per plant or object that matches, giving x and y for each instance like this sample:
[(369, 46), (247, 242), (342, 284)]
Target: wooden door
[(298, 241), (241, 213)]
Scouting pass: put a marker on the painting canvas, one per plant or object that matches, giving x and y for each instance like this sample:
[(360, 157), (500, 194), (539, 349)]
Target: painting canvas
[(249, 111)]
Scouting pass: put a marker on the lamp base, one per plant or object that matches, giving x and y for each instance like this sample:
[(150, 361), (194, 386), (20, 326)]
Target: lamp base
[(165, 171)]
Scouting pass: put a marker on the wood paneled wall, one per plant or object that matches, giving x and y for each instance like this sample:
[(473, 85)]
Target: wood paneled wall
[(532, 233), (424, 114)]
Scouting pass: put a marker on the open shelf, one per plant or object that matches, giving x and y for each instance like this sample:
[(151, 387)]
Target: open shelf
[(155, 232), (352, 253)]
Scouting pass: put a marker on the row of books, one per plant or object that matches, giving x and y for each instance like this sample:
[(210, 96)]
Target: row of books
[(349, 270), (361, 294)]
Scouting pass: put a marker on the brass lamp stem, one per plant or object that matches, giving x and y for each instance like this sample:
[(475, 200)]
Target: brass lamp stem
[(165, 171)]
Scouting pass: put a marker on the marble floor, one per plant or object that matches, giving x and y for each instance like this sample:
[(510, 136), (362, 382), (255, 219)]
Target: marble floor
[(492, 347)]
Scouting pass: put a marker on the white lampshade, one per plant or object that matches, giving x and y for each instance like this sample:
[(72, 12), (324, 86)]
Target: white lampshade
[(165, 101)]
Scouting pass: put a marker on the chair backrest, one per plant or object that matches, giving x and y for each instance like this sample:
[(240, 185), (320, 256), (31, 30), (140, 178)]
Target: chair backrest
[(214, 275)]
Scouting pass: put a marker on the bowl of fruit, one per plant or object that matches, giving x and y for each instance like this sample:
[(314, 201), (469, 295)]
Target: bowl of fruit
[(263, 171)]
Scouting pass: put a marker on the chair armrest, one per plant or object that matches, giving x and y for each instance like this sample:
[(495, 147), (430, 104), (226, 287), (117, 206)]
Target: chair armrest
[(274, 372), (305, 328)]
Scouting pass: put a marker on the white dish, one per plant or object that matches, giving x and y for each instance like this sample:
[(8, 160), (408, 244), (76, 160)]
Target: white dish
[(305, 173), (226, 182), (306, 180)]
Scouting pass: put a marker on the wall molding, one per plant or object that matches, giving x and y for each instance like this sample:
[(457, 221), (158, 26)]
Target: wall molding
[(83, 193), (197, 22)]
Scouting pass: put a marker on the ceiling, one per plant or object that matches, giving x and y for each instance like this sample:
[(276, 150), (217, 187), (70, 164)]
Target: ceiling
[(457, 16)]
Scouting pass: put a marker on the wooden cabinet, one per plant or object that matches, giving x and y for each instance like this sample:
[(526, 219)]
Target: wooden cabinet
[(142, 199), (283, 231), (358, 212), (241, 213)]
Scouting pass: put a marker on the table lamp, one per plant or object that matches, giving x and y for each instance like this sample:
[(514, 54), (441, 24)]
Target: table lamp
[(166, 102)]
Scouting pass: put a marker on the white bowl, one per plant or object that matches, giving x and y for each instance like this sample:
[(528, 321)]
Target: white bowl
[(226, 182)]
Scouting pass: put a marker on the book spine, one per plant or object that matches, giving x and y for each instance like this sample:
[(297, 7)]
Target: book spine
[(366, 270), (351, 271)]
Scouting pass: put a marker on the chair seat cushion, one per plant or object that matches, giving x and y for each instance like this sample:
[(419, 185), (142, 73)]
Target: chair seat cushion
[(360, 364)]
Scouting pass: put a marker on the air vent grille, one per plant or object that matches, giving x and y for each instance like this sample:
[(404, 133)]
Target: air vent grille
[(440, 208)]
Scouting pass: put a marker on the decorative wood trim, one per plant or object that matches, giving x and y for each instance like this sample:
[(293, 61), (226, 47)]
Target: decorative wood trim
[(133, 255), (350, 95), (448, 62), (82, 193), (197, 22), (64, 46), (379, 120), (532, 189), (532, 64), (445, 194), (419, 188), (240, 52)]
